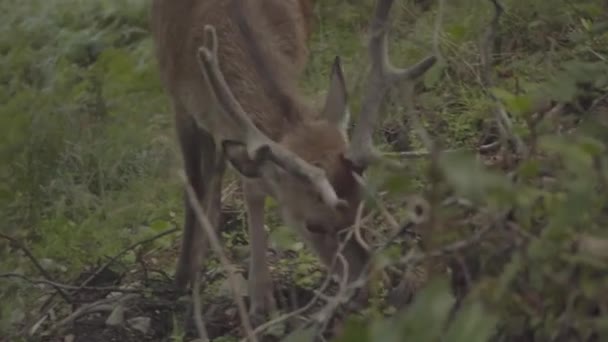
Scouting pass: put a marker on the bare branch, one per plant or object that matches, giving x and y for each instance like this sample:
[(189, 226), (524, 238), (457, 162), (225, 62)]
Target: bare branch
[(125, 251), (20, 245), (448, 249), (83, 286), (503, 120), (61, 286), (209, 231), (259, 146), (319, 293), (198, 308), (104, 305), (426, 153)]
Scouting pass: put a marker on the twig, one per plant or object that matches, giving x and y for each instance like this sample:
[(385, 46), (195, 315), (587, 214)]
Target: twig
[(324, 315), (387, 216), (319, 292), (198, 307), (448, 249), (101, 305), (81, 288), (125, 251), (20, 245), (425, 153), (505, 125), (206, 226), (282, 318), (83, 285), (357, 228), (437, 30)]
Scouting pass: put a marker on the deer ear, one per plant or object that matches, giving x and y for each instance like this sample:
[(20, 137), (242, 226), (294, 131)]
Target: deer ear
[(335, 109), (236, 153)]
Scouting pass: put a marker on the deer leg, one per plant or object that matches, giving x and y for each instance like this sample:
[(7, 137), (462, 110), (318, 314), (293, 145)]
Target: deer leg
[(213, 205), (199, 157), (260, 282)]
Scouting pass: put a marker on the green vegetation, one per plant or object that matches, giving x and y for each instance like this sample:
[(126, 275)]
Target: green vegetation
[(88, 166)]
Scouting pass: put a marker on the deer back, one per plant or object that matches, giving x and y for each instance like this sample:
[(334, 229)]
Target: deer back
[(262, 54)]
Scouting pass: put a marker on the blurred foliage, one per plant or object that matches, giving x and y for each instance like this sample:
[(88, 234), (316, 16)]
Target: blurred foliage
[(87, 157)]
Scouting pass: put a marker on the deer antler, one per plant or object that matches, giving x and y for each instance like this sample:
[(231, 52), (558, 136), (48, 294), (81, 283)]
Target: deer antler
[(381, 77), (259, 146)]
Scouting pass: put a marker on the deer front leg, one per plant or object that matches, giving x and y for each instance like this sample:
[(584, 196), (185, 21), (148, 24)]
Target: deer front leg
[(200, 159), (260, 283)]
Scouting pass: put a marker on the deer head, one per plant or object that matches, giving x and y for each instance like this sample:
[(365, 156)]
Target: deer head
[(312, 170)]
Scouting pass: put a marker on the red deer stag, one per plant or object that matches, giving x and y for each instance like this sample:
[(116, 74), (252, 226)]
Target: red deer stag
[(231, 68)]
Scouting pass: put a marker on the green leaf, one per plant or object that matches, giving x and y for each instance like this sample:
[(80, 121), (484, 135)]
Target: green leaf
[(160, 225), (424, 318), (469, 178), (284, 238), (472, 324), (301, 335)]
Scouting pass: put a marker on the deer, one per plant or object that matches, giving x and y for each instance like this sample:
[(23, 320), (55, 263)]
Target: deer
[(231, 69)]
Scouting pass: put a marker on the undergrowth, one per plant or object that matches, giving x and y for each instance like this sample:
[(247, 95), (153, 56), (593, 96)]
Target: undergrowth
[(88, 160)]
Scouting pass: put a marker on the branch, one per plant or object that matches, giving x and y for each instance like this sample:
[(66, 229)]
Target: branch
[(505, 125), (209, 230), (20, 245), (198, 308), (123, 252), (319, 293), (59, 286), (83, 285), (106, 304), (448, 249), (425, 153)]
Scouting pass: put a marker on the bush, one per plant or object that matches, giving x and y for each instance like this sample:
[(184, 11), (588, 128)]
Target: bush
[(510, 244)]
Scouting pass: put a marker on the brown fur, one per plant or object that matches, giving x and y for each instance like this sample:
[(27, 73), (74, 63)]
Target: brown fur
[(279, 30), (262, 49)]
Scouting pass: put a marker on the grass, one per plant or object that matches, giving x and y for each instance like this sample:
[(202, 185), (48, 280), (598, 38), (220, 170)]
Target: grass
[(88, 157)]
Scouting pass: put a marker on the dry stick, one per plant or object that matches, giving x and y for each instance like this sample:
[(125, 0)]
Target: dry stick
[(451, 248), (125, 251), (357, 228), (505, 125), (437, 30), (296, 312), (425, 153), (208, 230), (101, 305), (20, 245), (318, 293), (108, 263), (324, 315), (58, 286), (198, 307)]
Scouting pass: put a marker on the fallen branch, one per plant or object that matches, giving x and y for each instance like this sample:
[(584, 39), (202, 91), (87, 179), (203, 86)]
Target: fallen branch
[(20, 245), (60, 286), (103, 305), (123, 252), (83, 286), (425, 153)]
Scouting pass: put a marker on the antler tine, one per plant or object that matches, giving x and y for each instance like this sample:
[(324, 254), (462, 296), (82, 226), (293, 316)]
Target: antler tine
[(259, 146), (381, 77)]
